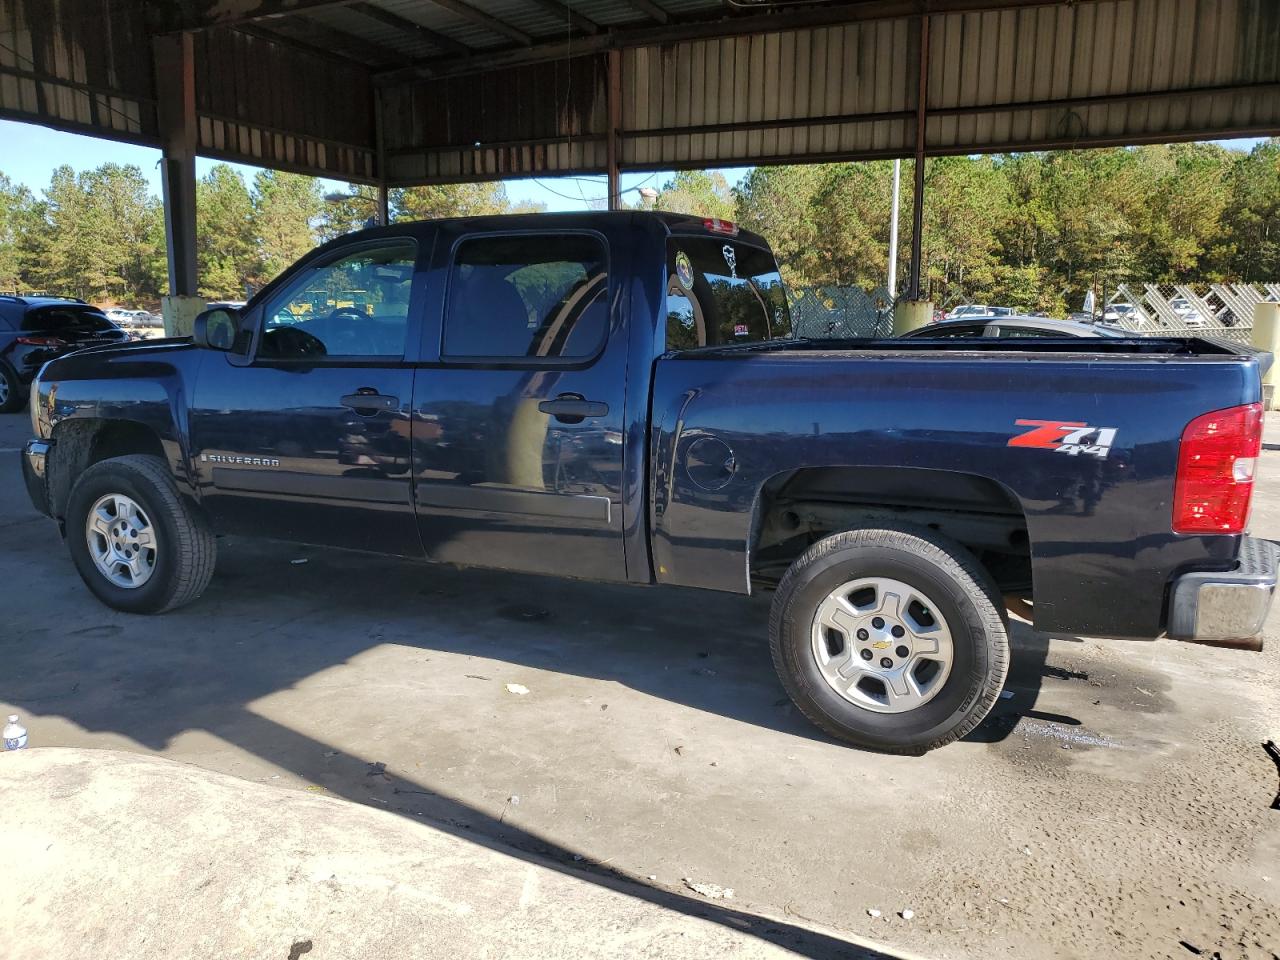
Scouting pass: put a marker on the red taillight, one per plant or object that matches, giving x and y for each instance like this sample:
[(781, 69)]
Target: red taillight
[(42, 341), (1216, 462), (716, 225)]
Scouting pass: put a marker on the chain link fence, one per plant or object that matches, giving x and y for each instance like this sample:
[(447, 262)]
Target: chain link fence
[(1223, 310), (839, 312)]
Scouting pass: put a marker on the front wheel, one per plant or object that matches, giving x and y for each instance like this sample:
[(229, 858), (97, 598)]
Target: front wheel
[(135, 542), (890, 639)]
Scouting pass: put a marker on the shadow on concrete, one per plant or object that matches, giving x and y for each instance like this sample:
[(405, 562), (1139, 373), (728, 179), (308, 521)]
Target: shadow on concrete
[(177, 675)]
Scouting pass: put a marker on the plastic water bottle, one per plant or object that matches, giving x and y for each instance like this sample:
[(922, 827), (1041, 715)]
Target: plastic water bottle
[(15, 734)]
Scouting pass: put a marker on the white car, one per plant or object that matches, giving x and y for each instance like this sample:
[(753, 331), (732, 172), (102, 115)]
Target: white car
[(1121, 313), (1186, 313)]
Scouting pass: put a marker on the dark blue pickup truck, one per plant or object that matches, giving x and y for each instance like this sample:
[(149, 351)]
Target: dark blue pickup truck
[(622, 397)]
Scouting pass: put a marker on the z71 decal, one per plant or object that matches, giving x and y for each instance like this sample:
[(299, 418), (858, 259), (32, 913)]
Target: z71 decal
[(1065, 436)]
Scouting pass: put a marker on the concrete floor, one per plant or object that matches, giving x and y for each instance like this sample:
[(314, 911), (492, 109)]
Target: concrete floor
[(1117, 805)]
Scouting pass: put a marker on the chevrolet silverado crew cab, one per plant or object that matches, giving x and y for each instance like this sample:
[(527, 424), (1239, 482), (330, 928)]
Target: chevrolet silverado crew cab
[(622, 397)]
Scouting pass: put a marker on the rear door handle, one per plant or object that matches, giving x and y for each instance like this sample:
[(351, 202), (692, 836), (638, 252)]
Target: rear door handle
[(573, 408), (369, 401)]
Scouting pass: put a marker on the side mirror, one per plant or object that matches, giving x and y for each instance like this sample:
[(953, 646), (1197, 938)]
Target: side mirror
[(216, 329)]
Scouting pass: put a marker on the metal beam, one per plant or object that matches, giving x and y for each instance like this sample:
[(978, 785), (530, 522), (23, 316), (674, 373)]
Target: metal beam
[(324, 37), (173, 58), (468, 12), (917, 209), (649, 9), (411, 28), (310, 49), (614, 97), (199, 14), (969, 110), (567, 13)]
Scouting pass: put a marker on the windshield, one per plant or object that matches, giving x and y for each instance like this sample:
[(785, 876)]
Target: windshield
[(720, 291)]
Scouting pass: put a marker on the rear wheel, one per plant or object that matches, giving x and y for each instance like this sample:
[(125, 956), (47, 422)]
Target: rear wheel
[(134, 540), (13, 394), (891, 639)]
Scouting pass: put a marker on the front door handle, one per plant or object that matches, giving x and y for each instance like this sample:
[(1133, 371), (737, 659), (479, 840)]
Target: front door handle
[(573, 408), (368, 401)]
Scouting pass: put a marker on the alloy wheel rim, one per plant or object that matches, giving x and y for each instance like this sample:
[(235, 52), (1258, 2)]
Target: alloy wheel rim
[(882, 645), (122, 541)]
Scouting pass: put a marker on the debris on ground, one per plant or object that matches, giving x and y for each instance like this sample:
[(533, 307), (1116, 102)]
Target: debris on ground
[(517, 688), (907, 914), (378, 769), (476, 676), (300, 560), (1006, 695), (711, 891), (652, 876), (679, 750), (520, 611), (873, 913)]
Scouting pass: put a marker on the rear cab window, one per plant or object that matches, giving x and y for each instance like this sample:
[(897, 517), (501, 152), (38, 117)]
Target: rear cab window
[(723, 291), (536, 298)]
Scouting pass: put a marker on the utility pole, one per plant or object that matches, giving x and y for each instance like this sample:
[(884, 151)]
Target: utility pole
[(893, 231)]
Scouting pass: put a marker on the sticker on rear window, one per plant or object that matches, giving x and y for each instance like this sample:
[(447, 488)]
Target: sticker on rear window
[(731, 259), (684, 270)]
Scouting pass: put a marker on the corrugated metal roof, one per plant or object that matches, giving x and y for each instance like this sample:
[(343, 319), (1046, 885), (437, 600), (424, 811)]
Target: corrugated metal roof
[(716, 85)]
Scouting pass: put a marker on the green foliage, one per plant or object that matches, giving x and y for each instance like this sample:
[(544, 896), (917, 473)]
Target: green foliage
[(225, 245), (450, 200), (285, 209), (697, 192), (97, 234), (18, 214), (1035, 230)]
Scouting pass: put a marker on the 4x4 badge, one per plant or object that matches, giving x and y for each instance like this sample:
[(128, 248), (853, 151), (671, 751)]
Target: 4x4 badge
[(1065, 436)]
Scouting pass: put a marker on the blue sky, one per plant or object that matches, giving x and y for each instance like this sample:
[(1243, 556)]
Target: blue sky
[(29, 154)]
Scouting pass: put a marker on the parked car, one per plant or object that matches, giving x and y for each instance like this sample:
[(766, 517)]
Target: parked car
[(619, 396), (34, 330), (119, 316), (1187, 314), (1013, 327), (1122, 313), (968, 310)]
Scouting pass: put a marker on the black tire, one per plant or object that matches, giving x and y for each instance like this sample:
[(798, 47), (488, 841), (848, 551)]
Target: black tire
[(14, 392), (959, 588), (185, 549)]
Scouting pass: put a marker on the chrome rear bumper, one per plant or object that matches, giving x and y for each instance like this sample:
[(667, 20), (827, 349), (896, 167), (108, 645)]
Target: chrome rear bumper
[(1226, 609)]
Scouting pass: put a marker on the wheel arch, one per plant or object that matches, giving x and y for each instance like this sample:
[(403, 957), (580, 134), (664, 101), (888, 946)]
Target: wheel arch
[(795, 508), (81, 442)]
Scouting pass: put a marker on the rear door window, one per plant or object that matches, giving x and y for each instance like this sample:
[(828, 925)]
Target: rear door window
[(722, 292), (83, 319), (534, 297)]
